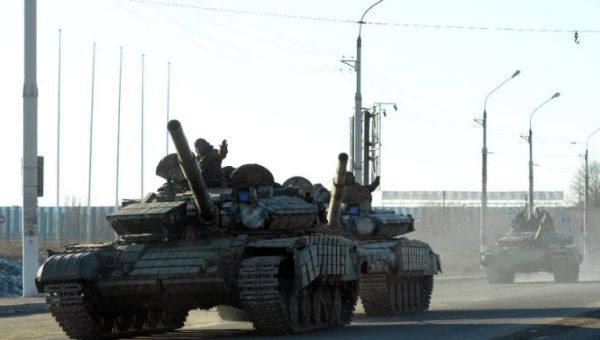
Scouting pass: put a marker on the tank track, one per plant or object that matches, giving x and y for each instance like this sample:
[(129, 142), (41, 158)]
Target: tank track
[(73, 307), (386, 295), (275, 308)]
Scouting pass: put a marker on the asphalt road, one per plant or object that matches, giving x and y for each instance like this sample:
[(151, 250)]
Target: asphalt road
[(462, 308)]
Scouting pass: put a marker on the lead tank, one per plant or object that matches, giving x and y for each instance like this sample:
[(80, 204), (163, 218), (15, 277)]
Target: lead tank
[(396, 273), (248, 246), (532, 245)]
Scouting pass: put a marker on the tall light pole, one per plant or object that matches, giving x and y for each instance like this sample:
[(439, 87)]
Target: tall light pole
[(168, 104), (119, 126), (142, 137), (30, 158), (357, 156), (89, 196), (530, 141), (58, 221), (586, 193), (484, 152)]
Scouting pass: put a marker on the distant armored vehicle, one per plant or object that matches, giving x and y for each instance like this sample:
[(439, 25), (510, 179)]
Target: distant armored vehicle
[(396, 273), (532, 245), (246, 246)]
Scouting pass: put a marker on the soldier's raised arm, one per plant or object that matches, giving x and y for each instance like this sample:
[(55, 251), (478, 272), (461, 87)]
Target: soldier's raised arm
[(223, 149), (373, 185)]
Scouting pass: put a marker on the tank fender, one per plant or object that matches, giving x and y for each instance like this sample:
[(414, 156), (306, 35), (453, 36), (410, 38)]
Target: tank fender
[(306, 263), (314, 256), (68, 267)]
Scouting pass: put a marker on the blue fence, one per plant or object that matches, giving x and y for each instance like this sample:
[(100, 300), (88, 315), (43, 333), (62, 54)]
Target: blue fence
[(64, 224)]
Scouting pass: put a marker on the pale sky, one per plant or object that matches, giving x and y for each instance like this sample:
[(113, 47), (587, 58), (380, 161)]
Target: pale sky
[(272, 86)]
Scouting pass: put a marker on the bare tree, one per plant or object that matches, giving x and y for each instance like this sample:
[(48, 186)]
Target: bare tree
[(578, 184)]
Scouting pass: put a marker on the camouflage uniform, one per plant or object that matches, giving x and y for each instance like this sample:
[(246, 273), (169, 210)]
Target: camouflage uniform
[(357, 193), (209, 159)]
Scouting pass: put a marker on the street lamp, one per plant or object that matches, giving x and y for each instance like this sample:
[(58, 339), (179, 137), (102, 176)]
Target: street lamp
[(484, 153), (530, 141), (586, 192), (356, 152)]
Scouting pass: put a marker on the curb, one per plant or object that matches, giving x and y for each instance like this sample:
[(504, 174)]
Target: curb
[(28, 308)]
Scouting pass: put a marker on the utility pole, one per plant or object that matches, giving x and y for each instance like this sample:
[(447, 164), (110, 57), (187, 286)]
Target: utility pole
[(357, 132), (585, 203), (530, 141), (484, 153), (586, 194), (168, 104), (119, 127), (367, 114), (88, 229), (142, 137), (30, 158), (58, 221)]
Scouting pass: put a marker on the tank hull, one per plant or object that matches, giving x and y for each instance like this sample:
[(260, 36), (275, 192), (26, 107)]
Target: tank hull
[(502, 263), (126, 289), (396, 275)]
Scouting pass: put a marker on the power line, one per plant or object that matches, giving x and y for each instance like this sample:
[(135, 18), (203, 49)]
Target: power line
[(377, 23)]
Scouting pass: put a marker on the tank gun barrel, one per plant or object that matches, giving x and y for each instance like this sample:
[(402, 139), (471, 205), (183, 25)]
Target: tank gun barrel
[(333, 215), (207, 212)]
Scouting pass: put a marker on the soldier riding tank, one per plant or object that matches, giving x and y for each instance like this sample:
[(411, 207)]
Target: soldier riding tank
[(396, 273), (187, 246), (532, 245)]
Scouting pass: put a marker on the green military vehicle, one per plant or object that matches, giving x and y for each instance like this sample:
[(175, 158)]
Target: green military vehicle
[(396, 273), (248, 246), (532, 245)]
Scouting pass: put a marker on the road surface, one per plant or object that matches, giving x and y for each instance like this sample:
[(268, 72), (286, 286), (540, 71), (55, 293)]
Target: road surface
[(533, 307)]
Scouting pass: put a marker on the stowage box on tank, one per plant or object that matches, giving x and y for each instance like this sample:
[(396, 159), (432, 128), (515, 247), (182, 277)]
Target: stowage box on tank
[(532, 245), (187, 246)]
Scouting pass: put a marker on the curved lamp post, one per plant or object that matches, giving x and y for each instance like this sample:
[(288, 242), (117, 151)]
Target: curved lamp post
[(586, 193), (356, 153), (530, 141), (484, 153)]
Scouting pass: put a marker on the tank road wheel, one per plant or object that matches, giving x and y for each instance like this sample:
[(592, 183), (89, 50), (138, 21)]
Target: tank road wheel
[(107, 323), (317, 308), (173, 318), (262, 280), (76, 310), (498, 275), (386, 295), (153, 318), (378, 297), (349, 295), (304, 308), (229, 313), (426, 289), (565, 270), (123, 320), (275, 307), (336, 308), (139, 318)]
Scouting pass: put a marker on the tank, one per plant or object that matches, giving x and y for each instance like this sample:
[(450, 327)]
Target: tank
[(248, 246), (396, 273), (532, 245)]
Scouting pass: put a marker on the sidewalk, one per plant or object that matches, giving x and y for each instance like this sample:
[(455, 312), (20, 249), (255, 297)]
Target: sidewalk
[(18, 305)]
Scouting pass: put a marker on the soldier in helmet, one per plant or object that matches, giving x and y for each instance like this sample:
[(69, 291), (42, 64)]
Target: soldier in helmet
[(357, 193), (209, 159)]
